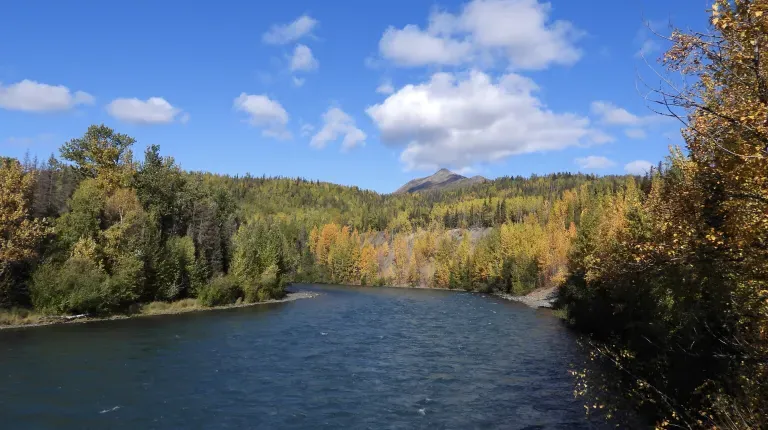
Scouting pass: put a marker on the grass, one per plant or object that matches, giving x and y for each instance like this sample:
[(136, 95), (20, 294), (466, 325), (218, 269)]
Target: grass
[(157, 308), (19, 316), (560, 313)]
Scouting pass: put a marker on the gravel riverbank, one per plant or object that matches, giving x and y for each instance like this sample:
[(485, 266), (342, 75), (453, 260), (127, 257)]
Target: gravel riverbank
[(543, 298)]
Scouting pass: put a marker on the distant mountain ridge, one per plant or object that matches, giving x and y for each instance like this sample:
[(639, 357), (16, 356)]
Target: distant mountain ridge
[(442, 179)]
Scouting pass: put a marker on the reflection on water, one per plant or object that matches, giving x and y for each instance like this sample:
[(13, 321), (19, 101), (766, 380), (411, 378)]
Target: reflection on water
[(349, 358)]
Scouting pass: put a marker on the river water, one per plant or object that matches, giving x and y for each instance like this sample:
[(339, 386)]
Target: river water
[(378, 358)]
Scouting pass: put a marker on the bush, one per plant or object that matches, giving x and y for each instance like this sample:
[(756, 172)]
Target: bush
[(222, 290), (126, 283), (160, 308), (270, 286), (77, 286)]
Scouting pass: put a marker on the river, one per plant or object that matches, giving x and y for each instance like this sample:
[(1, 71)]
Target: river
[(352, 357)]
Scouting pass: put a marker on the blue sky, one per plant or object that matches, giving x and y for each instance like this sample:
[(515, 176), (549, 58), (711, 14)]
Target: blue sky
[(366, 93)]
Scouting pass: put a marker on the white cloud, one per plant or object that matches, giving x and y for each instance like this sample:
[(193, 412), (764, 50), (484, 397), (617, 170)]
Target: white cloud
[(594, 162), (154, 110), (281, 34), (518, 31), (461, 120), (302, 59), (336, 123), (610, 114), (600, 137), (265, 113), (298, 82), (414, 47), (638, 167), (635, 133), (32, 96), (307, 129), (386, 87)]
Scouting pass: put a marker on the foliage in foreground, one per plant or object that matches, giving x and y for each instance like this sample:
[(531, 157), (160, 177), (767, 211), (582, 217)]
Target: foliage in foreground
[(673, 288)]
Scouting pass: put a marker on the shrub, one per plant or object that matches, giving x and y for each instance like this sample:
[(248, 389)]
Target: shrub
[(222, 290), (77, 286), (126, 283), (18, 316), (269, 286), (159, 308)]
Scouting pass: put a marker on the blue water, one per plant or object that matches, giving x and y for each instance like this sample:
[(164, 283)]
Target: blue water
[(378, 358)]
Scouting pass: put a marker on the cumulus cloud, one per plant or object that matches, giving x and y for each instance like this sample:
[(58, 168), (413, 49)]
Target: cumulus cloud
[(336, 124), (298, 82), (518, 31), (32, 96), (638, 167), (154, 110), (594, 162), (461, 120), (411, 46), (281, 34), (302, 59), (386, 87), (265, 113)]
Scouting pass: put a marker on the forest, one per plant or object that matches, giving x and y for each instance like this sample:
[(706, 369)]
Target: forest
[(100, 232), (665, 276)]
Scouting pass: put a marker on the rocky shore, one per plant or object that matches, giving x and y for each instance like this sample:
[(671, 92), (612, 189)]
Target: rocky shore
[(543, 298)]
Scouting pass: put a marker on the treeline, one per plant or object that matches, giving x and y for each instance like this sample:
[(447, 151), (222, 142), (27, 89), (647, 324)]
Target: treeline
[(511, 257), (672, 286), (130, 232), (101, 232)]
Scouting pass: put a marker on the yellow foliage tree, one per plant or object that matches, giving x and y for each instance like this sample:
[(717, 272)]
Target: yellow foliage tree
[(19, 234)]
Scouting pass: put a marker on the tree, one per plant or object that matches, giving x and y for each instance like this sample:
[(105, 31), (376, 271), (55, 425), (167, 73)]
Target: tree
[(680, 280), (160, 186), (19, 234), (367, 265), (101, 153)]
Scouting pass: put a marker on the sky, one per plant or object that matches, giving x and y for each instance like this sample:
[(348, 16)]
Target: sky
[(368, 93)]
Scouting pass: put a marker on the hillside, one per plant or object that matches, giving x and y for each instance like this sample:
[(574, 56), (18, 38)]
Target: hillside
[(442, 179)]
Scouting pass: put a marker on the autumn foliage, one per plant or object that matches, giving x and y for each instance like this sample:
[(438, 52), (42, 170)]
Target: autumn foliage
[(674, 287)]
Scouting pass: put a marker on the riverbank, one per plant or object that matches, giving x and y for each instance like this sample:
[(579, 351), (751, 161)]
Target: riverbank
[(542, 298), (28, 319)]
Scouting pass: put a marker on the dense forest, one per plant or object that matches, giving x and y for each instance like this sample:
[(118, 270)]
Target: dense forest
[(100, 232), (665, 275)]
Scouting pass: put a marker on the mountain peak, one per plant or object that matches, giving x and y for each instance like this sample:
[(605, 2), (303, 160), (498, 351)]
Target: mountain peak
[(440, 180)]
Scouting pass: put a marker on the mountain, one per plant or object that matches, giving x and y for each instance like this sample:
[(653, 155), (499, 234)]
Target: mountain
[(441, 180)]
